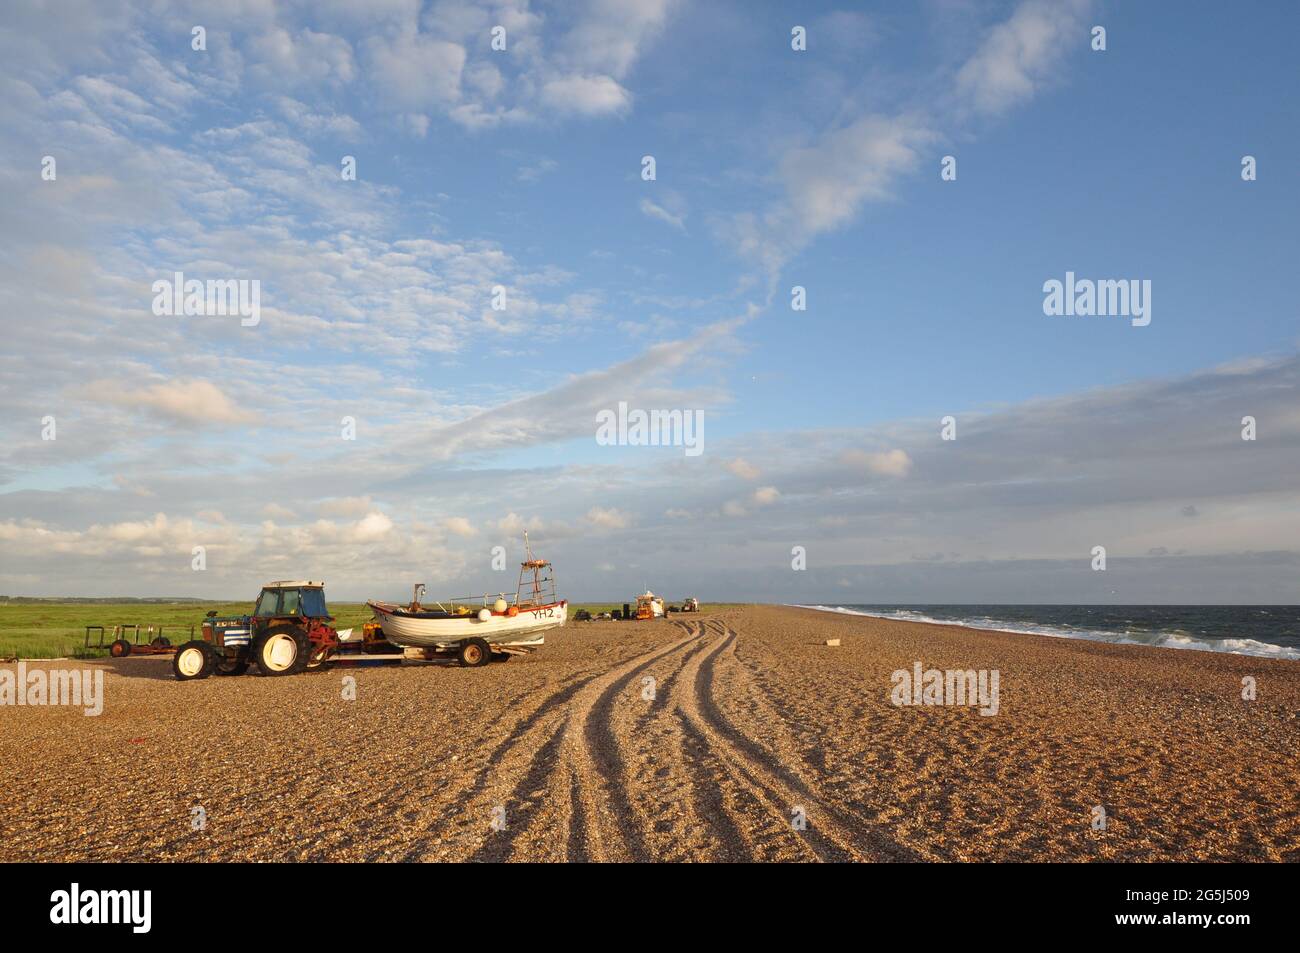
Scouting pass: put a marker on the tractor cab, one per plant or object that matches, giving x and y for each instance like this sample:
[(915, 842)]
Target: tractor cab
[(292, 600)]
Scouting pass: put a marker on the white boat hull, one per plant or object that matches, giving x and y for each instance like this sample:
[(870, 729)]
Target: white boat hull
[(525, 630)]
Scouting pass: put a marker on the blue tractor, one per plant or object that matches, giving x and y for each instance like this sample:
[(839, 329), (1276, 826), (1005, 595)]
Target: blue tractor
[(289, 631)]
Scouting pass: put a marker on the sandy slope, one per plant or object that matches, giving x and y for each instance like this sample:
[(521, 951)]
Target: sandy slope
[(696, 739)]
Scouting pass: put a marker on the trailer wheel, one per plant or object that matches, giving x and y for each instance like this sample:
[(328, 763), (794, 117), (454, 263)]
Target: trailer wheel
[(161, 643), (192, 660), (474, 652), (120, 648), (281, 651), (236, 666)]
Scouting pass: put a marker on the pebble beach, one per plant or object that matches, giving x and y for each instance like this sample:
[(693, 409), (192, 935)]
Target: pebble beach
[(737, 735)]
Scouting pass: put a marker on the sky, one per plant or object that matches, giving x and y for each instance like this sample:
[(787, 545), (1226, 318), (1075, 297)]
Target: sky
[(438, 335)]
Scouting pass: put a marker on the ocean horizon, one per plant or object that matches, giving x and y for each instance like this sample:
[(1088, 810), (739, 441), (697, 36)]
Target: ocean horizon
[(1263, 630)]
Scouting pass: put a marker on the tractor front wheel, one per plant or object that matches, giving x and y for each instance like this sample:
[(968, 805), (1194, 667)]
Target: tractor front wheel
[(192, 660), (281, 652), (474, 652)]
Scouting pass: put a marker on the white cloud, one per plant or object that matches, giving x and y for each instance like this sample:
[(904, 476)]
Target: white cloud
[(651, 210), (828, 182), (460, 526), (514, 525), (733, 508), (743, 469), (179, 401), (610, 35), (280, 59), (766, 495), (485, 79), (586, 95), (415, 70), (373, 526), (578, 72), (322, 123), (894, 463), (607, 518), (346, 506), (569, 409), (1021, 54)]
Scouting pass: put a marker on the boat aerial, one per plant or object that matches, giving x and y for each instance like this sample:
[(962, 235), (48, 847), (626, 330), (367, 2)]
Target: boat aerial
[(517, 623)]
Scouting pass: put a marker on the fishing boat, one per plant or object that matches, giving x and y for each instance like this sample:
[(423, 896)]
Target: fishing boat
[(517, 622), (649, 606)]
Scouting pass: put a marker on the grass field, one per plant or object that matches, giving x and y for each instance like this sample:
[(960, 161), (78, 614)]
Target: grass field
[(58, 629)]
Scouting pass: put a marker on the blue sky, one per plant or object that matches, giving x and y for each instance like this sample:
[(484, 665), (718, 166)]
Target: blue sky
[(775, 168)]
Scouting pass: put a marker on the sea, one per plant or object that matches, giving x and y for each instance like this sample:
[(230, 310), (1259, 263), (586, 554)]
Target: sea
[(1268, 631)]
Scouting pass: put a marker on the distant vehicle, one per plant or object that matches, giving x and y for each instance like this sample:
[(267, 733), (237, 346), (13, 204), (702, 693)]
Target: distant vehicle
[(289, 631), (690, 605), (649, 606)]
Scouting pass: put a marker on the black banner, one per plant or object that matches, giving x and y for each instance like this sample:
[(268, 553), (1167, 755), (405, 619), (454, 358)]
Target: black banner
[(333, 902)]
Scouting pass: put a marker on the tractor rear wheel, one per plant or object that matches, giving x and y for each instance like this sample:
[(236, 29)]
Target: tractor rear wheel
[(281, 651), (474, 652), (192, 660), (120, 648)]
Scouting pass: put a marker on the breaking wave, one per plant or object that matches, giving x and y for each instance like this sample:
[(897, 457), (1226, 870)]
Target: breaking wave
[(1163, 626)]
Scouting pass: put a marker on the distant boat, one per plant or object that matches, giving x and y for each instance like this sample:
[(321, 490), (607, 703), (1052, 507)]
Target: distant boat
[(649, 606), (515, 623)]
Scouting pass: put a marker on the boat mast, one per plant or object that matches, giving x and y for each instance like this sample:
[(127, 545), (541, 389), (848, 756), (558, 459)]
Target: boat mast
[(536, 565)]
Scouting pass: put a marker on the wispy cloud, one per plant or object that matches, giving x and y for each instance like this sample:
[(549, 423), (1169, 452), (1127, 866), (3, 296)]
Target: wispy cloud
[(658, 212), (1023, 54), (188, 402), (827, 181)]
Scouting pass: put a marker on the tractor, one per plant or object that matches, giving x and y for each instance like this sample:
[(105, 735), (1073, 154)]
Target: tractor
[(289, 631)]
